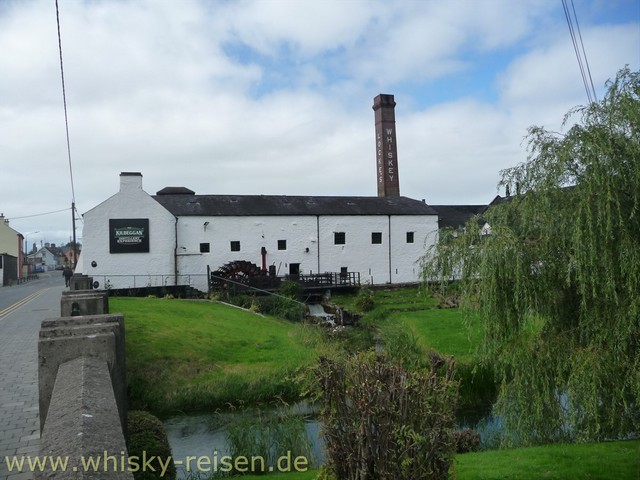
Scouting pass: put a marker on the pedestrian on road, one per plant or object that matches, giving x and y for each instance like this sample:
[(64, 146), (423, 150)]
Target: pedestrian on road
[(67, 273)]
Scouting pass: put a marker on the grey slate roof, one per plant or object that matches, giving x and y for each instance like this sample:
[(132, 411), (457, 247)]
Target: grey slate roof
[(184, 204), (455, 216)]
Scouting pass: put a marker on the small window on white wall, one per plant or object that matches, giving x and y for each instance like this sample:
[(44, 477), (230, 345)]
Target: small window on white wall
[(282, 244), (235, 245), (376, 238), (410, 237), (205, 248), (339, 238)]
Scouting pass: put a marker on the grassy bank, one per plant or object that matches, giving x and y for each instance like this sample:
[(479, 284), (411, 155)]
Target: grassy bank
[(408, 322), (186, 356), (195, 356), (595, 461), (417, 314), (189, 356)]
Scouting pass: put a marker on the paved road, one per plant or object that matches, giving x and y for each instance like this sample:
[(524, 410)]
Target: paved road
[(22, 309)]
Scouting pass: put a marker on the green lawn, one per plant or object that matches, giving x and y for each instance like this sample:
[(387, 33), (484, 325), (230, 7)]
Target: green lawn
[(199, 356), (596, 461), (193, 356), (444, 330)]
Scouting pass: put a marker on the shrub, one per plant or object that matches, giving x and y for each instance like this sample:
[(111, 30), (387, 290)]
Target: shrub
[(382, 421), (365, 300), (147, 435), (466, 440), (280, 307), (291, 289)]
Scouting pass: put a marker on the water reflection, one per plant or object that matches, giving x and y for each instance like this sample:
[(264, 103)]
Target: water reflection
[(206, 435), (195, 436)]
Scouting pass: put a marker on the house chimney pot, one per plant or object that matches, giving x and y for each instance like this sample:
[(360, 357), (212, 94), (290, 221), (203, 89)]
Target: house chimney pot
[(130, 180)]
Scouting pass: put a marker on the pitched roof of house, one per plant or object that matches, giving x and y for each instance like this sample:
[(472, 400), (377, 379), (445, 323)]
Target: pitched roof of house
[(455, 216), (57, 251), (180, 203)]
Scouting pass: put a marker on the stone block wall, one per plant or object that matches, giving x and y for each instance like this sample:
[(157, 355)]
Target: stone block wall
[(84, 302), (82, 386)]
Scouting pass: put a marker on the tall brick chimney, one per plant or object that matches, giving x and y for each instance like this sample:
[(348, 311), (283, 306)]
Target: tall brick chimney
[(386, 148)]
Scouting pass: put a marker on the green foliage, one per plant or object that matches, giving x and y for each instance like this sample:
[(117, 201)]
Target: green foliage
[(384, 422), (365, 300), (466, 440), (556, 282), (283, 307), (478, 386), (408, 324), (147, 437), (270, 436), (291, 289)]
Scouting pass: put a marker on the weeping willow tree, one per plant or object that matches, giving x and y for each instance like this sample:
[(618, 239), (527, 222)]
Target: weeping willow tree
[(557, 280)]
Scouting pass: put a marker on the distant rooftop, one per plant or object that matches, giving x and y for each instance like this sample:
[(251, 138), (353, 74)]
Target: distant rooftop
[(455, 216)]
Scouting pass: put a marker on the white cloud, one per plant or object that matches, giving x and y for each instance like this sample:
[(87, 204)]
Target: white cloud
[(543, 84), (310, 28), (275, 96)]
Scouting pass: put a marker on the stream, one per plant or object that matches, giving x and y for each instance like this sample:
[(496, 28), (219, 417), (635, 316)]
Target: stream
[(206, 435)]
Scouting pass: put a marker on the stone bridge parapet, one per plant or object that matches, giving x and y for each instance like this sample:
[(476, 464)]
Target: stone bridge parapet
[(82, 387)]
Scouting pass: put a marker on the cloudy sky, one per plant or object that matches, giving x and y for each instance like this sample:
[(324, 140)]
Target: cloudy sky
[(275, 96)]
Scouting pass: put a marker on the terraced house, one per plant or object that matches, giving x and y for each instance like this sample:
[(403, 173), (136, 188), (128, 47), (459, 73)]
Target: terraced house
[(10, 253)]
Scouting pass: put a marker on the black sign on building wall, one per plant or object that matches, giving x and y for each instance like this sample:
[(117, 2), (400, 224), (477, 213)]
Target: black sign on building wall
[(128, 235)]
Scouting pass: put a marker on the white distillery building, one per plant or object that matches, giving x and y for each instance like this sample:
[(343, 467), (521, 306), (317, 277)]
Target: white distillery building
[(134, 239)]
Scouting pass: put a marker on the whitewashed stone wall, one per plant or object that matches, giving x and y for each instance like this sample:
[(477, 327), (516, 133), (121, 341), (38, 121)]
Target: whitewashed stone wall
[(175, 244), (126, 270), (310, 242)]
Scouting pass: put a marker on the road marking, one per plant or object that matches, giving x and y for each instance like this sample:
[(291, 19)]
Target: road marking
[(17, 305)]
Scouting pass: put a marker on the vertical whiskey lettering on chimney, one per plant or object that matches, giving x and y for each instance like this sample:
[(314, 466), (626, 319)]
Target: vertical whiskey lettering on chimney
[(386, 148)]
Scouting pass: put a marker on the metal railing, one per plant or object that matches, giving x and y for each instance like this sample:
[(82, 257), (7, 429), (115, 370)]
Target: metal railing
[(308, 281), (107, 282), (327, 279)]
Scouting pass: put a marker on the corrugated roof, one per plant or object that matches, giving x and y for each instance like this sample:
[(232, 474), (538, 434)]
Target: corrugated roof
[(260, 205)]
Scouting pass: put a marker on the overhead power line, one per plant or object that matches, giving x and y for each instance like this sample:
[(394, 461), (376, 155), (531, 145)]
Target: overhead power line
[(66, 124), (64, 101), (578, 47), (40, 214)]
